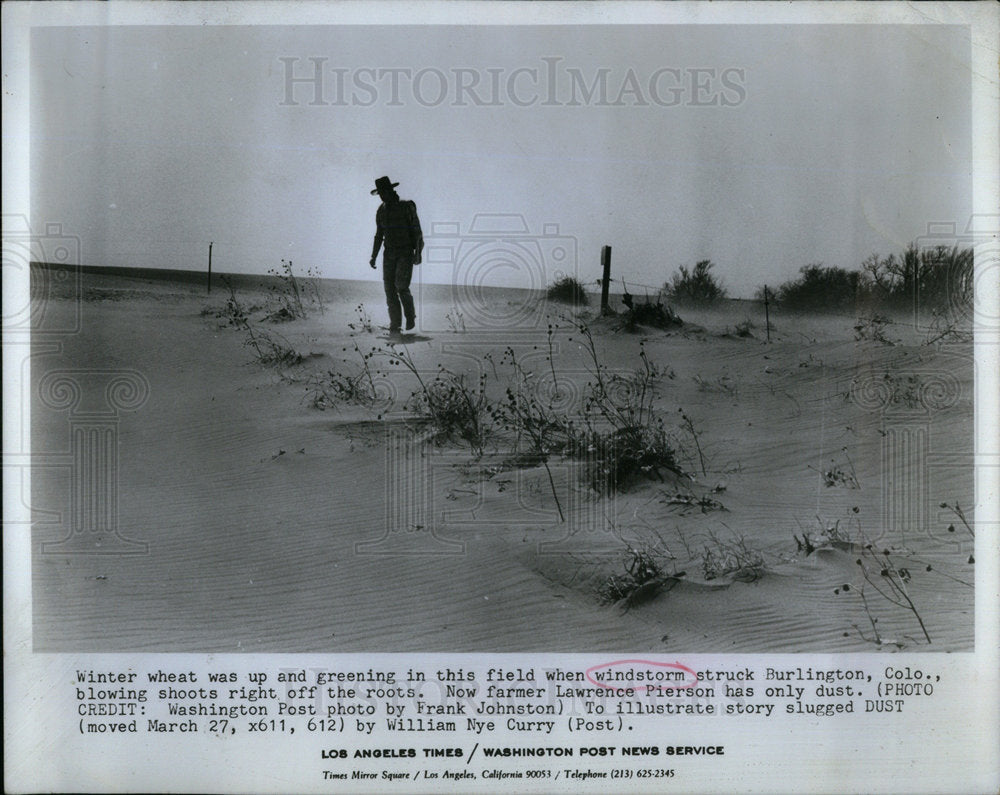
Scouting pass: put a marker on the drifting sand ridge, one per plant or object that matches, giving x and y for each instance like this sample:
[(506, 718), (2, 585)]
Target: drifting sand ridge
[(273, 525)]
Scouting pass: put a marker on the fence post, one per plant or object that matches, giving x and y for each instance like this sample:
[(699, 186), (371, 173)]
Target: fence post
[(767, 315), (606, 278), (210, 268)]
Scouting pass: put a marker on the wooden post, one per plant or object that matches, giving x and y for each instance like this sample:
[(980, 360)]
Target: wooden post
[(606, 278), (767, 315), (210, 268)]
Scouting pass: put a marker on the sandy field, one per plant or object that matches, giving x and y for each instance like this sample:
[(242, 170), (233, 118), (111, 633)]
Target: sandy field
[(812, 506)]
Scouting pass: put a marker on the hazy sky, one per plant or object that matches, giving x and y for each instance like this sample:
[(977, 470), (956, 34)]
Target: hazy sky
[(762, 148)]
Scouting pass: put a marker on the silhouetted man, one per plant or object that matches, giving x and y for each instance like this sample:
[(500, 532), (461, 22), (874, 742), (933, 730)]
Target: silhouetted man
[(397, 225)]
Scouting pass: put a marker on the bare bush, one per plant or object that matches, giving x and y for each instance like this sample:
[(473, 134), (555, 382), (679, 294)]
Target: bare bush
[(697, 286)]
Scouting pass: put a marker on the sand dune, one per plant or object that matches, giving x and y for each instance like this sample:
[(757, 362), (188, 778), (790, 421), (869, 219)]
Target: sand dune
[(274, 526)]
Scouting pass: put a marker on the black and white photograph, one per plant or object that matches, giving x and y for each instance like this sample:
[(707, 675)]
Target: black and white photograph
[(438, 332)]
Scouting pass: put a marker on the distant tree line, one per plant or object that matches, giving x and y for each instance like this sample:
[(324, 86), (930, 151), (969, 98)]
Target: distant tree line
[(934, 277)]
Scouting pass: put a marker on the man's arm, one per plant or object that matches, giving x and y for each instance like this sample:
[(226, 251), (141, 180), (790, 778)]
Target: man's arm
[(379, 235), (418, 235)]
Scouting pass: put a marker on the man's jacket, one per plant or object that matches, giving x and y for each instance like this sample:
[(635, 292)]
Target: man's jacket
[(397, 224)]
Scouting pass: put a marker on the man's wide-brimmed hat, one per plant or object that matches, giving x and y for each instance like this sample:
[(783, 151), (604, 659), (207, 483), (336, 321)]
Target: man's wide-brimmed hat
[(383, 183)]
